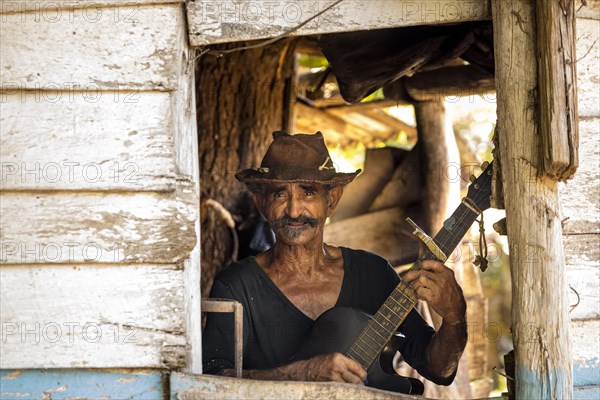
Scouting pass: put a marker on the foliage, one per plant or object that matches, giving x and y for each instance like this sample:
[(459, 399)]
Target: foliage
[(310, 61), (376, 95)]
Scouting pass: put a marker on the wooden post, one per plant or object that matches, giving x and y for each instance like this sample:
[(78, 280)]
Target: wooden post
[(555, 22), (540, 317), (441, 163), (439, 152)]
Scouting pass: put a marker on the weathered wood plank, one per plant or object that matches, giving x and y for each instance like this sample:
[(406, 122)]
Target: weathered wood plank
[(91, 49), (579, 196), (97, 228), (582, 250), (187, 164), (228, 20), (54, 9), (540, 303), (557, 87), (82, 316), (118, 141), (586, 345), (584, 282), (588, 60), (589, 9), (586, 364), (83, 384), (209, 387)]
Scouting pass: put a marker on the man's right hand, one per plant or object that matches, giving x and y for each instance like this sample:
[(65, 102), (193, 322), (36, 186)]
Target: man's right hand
[(327, 367), (334, 367)]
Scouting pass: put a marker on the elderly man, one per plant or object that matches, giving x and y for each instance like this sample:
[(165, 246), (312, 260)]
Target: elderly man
[(286, 288)]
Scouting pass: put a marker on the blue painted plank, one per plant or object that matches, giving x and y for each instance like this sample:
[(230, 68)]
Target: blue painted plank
[(88, 384), (592, 393), (587, 374)]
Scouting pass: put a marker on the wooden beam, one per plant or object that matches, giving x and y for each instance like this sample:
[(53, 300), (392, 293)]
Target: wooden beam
[(369, 105), (222, 21), (395, 125), (335, 129), (372, 110), (52, 10), (435, 85), (540, 312), (214, 387), (557, 82)]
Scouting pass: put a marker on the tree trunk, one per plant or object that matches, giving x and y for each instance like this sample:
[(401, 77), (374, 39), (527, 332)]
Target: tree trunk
[(242, 98), (540, 313)]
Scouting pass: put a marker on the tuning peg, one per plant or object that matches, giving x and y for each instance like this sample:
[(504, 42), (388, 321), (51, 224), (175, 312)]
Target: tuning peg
[(484, 165), (472, 178)]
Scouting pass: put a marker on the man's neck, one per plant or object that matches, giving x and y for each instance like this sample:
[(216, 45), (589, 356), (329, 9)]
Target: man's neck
[(304, 260)]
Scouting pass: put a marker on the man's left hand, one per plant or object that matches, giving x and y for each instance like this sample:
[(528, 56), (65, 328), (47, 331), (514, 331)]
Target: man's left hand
[(435, 284)]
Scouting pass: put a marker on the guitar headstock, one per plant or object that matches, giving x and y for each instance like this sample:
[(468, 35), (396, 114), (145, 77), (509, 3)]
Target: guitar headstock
[(480, 190)]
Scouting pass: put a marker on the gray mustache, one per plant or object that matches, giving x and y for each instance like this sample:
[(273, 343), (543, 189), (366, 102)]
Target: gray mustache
[(286, 219)]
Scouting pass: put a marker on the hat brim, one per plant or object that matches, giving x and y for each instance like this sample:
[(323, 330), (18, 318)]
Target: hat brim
[(253, 176)]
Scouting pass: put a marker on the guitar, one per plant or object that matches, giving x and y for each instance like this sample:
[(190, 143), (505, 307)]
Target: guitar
[(372, 341)]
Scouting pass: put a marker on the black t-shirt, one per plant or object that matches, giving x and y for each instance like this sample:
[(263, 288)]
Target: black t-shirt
[(274, 328)]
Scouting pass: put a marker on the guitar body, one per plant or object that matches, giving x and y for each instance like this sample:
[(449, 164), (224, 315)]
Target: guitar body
[(335, 331)]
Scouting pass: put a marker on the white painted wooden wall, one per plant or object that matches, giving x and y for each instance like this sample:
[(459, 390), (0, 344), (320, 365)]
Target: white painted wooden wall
[(99, 188), (99, 166), (580, 202), (218, 21)]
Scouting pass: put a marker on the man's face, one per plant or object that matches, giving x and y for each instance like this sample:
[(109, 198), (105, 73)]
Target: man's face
[(297, 211)]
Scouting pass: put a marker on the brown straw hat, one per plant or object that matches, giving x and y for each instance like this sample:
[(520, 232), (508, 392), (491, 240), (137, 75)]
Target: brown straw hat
[(296, 158)]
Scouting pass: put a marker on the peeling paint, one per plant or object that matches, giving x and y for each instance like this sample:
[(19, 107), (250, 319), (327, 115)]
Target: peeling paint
[(126, 56), (116, 323), (82, 384), (98, 228), (542, 384), (126, 380), (12, 375), (209, 387)]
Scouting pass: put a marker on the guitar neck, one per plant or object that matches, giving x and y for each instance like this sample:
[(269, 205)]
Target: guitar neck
[(372, 340), (453, 230)]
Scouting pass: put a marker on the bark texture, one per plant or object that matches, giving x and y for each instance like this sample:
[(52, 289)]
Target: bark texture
[(242, 98)]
